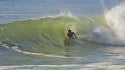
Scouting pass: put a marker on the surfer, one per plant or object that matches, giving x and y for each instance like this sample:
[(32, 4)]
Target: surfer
[(71, 35)]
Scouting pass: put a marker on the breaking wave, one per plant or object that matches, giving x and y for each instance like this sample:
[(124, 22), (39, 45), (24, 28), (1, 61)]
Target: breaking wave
[(47, 36)]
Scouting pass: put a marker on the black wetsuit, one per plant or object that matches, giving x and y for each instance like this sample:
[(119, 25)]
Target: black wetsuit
[(71, 34)]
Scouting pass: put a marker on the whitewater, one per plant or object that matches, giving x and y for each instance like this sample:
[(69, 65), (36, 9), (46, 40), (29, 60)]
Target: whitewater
[(42, 43)]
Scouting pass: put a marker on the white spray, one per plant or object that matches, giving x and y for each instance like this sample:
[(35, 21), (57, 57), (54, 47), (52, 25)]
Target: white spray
[(116, 20)]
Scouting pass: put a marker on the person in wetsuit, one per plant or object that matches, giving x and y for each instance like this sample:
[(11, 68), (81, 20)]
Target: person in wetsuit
[(71, 35)]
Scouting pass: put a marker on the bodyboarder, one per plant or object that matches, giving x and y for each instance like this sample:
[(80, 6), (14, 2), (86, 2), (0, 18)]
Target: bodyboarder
[(71, 35)]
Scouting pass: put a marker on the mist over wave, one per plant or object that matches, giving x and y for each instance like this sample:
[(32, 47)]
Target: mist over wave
[(115, 19)]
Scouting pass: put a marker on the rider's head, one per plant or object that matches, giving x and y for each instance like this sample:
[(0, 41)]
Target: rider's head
[(69, 30)]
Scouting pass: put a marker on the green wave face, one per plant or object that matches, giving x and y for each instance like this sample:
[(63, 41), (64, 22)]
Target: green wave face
[(47, 35)]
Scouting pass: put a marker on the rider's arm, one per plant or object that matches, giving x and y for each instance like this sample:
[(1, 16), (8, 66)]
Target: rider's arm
[(74, 35)]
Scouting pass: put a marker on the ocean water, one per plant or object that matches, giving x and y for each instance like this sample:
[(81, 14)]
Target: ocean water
[(33, 35)]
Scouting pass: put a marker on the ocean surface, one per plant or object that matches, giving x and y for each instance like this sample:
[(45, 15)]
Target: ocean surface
[(33, 35)]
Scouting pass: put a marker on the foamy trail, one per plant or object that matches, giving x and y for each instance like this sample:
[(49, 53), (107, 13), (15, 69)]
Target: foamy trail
[(17, 49), (41, 54), (88, 66)]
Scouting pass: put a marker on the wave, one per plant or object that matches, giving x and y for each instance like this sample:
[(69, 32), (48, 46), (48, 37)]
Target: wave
[(115, 19), (47, 36)]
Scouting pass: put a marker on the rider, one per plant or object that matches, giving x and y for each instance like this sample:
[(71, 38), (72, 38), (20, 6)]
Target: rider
[(71, 34)]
